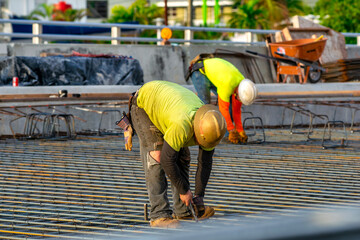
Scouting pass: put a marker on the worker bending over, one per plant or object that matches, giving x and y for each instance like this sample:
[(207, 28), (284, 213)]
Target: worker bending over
[(167, 119), (229, 85)]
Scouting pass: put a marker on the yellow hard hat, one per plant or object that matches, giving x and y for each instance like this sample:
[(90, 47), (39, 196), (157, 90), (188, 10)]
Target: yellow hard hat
[(209, 126)]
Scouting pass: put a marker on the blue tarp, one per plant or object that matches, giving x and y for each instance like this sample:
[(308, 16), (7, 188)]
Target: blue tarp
[(50, 29), (71, 30)]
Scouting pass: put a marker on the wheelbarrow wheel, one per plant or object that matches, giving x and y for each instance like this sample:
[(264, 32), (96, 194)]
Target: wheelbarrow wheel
[(314, 75)]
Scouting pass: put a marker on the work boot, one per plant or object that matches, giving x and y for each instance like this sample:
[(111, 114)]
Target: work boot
[(206, 212), (202, 211), (167, 222)]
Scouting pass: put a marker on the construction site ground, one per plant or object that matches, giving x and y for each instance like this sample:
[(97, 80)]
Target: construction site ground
[(92, 188)]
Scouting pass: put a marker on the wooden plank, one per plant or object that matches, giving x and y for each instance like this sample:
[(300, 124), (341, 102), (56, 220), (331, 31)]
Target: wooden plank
[(279, 37)]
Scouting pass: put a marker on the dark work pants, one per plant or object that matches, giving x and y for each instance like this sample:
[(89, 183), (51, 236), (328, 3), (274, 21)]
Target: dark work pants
[(203, 86), (151, 139)]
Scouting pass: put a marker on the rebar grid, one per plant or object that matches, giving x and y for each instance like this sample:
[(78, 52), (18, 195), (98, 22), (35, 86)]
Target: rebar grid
[(91, 188)]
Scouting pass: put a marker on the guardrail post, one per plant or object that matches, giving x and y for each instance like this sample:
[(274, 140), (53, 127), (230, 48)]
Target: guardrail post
[(249, 37), (188, 35), (115, 33), (358, 40), (36, 30), (158, 22)]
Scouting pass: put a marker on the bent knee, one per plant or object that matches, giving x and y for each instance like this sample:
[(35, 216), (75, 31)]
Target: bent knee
[(156, 155)]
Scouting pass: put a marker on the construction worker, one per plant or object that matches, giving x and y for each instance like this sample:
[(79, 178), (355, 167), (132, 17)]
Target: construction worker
[(229, 85), (169, 118)]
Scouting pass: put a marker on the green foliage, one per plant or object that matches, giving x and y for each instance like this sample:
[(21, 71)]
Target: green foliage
[(138, 11), (277, 11), (42, 12), (265, 14), (340, 15), (249, 15), (178, 34), (208, 35), (120, 14), (297, 7), (48, 12), (70, 15)]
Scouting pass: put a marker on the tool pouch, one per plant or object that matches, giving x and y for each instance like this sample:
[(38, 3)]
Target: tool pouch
[(197, 63), (124, 122)]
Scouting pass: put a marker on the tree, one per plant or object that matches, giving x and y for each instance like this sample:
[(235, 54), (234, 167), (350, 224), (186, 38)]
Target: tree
[(42, 12), (120, 14), (249, 15), (69, 15), (57, 12), (265, 14), (297, 7), (277, 11), (139, 11), (340, 15)]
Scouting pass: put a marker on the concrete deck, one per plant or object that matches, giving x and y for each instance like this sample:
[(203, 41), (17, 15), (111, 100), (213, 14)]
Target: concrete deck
[(92, 188)]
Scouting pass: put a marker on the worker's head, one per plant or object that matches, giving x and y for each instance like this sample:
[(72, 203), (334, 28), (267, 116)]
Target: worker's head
[(209, 126), (246, 92)]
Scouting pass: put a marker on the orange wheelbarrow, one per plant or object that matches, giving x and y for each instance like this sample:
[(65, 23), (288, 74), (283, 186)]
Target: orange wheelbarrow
[(297, 55)]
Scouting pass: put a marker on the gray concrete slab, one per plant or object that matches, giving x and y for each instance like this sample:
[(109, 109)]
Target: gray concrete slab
[(92, 188)]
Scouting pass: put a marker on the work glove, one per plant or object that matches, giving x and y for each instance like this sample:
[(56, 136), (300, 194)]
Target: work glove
[(243, 137), (128, 138), (234, 136)]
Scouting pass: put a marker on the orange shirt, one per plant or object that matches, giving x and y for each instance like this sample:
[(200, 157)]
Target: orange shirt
[(236, 113)]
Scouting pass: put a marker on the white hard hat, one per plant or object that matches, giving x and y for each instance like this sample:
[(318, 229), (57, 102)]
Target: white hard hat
[(247, 91)]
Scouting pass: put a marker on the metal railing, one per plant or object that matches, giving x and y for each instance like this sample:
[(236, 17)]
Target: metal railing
[(115, 37), (115, 33)]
